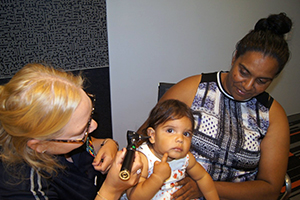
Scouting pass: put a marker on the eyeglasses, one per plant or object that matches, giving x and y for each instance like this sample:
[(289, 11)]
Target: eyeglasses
[(83, 140)]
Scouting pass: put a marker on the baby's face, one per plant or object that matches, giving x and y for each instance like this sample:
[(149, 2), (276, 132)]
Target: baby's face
[(173, 137)]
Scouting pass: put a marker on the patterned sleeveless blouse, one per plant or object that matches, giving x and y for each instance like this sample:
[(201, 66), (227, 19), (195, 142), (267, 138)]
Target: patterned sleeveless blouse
[(228, 133)]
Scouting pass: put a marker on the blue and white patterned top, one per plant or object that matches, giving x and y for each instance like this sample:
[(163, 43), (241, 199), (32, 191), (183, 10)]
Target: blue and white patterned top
[(228, 133)]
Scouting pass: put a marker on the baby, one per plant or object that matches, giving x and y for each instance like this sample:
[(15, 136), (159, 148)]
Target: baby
[(166, 157)]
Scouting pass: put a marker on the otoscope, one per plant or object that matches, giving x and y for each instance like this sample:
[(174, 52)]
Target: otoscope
[(132, 139)]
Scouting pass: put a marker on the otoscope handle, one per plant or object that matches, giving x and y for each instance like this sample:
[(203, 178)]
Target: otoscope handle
[(127, 163), (132, 139)]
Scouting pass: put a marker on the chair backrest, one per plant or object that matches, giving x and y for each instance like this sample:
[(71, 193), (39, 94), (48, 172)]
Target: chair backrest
[(163, 88)]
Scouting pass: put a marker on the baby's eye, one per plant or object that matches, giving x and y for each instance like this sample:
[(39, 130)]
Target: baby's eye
[(187, 134), (170, 130)]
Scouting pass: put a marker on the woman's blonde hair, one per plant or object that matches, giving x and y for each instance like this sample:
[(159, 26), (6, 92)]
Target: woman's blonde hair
[(36, 103)]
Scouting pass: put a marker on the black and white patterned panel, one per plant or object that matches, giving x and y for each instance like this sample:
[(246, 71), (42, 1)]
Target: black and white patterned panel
[(69, 34)]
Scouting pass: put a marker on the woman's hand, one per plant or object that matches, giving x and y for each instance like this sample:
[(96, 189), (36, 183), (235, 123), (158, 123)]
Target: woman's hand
[(105, 154), (113, 186), (189, 190)]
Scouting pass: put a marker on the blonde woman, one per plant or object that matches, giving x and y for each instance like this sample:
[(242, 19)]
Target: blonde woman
[(45, 148)]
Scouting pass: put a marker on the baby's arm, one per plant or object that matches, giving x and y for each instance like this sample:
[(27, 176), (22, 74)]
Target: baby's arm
[(203, 179), (148, 187)]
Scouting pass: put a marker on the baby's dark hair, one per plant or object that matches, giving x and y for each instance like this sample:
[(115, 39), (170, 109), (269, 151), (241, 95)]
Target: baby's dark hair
[(268, 38), (166, 110)]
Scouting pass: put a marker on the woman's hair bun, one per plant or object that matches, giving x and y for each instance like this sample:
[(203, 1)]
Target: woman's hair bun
[(276, 23)]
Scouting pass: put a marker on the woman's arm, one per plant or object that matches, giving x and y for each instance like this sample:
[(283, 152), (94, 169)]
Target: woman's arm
[(106, 151), (184, 90), (113, 186), (272, 165)]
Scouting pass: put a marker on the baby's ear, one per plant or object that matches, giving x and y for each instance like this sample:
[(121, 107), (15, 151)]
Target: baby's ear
[(151, 133)]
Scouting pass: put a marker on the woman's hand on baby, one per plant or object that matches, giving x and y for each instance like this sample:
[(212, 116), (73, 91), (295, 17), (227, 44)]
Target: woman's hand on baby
[(189, 190), (162, 169)]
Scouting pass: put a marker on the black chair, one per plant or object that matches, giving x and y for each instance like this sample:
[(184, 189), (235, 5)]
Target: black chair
[(163, 88)]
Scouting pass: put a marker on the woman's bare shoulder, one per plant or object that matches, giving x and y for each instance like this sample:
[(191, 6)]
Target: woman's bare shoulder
[(184, 90)]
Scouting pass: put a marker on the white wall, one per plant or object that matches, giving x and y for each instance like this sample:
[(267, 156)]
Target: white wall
[(167, 40)]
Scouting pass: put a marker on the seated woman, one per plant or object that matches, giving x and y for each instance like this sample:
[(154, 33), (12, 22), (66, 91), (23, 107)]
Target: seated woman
[(241, 136)]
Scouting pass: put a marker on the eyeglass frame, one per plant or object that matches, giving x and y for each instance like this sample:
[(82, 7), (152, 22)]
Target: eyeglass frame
[(85, 136)]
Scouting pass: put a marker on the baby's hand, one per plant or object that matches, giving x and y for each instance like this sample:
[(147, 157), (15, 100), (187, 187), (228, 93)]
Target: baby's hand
[(162, 169)]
